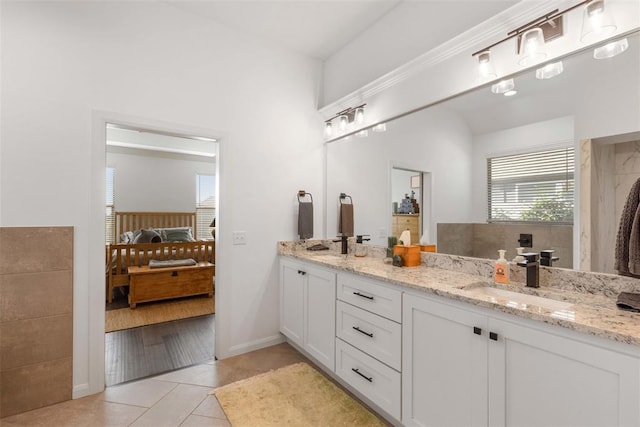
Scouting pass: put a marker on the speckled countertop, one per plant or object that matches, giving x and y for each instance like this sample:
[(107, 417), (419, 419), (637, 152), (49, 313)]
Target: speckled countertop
[(585, 303)]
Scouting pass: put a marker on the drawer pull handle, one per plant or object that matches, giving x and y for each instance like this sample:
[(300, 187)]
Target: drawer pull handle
[(493, 336), (370, 379), (363, 296), (174, 274), (302, 272), (357, 328), (477, 331)]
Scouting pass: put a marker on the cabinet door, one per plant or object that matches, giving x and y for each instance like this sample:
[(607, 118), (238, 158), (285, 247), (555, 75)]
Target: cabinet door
[(292, 277), (541, 379), (320, 315), (444, 365)]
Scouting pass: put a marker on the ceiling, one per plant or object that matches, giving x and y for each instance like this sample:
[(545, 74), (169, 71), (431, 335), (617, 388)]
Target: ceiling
[(320, 28)]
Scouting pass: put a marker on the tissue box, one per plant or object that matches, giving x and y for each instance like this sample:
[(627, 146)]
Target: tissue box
[(428, 248), (410, 254)]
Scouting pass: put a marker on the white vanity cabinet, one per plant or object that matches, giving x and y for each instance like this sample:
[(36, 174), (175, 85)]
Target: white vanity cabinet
[(369, 339), (469, 367), (307, 308)]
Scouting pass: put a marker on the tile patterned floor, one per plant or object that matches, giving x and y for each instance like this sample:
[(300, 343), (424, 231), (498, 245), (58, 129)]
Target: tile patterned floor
[(178, 398)]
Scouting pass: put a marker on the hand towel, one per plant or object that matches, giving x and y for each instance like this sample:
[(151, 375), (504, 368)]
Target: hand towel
[(629, 217), (628, 301), (345, 225), (305, 220)]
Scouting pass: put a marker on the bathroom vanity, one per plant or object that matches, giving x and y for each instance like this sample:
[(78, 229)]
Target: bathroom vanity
[(433, 346)]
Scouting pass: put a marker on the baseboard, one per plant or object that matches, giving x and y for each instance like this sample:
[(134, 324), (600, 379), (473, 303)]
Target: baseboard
[(253, 345), (80, 390)]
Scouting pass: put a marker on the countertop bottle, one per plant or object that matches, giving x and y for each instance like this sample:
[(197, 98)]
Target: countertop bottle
[(501, 269)]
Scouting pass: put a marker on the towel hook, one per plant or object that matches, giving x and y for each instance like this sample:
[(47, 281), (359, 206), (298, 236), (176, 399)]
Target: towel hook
[(302, 194), (344, 196)]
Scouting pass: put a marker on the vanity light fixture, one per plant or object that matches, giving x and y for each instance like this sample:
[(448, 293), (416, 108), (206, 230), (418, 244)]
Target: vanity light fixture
[(597, 22), (362, 134), (611, 49), (345, 118), (503, 86), (549, 70), (485, 67), (532, 47)]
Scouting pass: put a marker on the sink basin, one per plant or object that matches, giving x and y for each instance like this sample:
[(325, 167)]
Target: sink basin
[(516, 299), (330, 256)]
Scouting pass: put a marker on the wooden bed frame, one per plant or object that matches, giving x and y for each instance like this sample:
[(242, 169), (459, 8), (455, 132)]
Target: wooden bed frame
[(121, 256)]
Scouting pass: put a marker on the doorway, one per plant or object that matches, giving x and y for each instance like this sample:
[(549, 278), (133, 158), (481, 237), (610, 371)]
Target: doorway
[(411, 203), (151, 176)]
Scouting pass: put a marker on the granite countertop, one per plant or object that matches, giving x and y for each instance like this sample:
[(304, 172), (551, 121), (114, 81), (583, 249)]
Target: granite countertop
[(588, 312)]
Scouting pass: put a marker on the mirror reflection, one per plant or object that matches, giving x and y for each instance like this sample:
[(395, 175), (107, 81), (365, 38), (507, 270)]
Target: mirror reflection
[(593, 101)]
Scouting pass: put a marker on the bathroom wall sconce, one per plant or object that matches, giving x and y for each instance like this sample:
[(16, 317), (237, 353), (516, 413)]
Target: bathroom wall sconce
[(597, 24), (485, 67), (503, 87), (345, 118)]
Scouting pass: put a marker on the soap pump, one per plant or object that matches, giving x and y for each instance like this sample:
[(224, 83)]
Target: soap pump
[(501, 269)]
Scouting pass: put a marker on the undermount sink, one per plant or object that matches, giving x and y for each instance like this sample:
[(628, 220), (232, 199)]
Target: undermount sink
[(515, 299), (330, 256)]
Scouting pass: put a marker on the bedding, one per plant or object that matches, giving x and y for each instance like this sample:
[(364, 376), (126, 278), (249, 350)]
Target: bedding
[(148, 236)]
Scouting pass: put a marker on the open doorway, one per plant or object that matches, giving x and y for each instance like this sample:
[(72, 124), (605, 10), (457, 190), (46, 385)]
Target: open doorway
[(411, 204), (160, 212)]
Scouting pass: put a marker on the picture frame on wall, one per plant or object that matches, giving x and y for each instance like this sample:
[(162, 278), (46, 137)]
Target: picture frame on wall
[(415, 181)]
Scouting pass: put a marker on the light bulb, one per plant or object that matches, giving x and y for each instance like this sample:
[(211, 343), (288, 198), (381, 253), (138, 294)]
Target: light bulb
[(359, 115), (597, 22), (503, 86), (328, 129), (343, 121), (532, 47), (549, 70), (611, 49), (485, 67)]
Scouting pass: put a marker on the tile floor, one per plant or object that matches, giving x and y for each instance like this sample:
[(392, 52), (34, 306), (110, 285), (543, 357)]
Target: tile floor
[(178, 398)]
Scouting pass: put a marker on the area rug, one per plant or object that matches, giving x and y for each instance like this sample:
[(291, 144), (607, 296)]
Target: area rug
[(158, 312), (296, 395)]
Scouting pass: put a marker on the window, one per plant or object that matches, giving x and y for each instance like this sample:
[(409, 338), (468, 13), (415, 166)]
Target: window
[(110, 213), (205, 205), (534, 187)]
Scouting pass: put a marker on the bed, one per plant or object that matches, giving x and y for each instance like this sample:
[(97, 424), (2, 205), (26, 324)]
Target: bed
[(129, 251)]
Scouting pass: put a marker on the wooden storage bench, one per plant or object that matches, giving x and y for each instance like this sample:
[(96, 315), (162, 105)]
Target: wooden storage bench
[(154, 284)]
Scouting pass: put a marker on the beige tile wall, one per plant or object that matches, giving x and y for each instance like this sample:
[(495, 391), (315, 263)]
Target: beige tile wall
[(484, 240), (36, 317)]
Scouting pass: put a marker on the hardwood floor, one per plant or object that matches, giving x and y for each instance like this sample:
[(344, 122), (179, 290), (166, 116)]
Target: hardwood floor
[(150, 350)]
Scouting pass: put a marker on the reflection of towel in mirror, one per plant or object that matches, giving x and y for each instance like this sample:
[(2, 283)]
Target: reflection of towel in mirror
[(628, 301), (305, 220), (345, 225), (627, 255)]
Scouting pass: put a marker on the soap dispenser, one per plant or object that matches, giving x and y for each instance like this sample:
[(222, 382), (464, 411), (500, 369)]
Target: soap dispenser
[(501, 269)]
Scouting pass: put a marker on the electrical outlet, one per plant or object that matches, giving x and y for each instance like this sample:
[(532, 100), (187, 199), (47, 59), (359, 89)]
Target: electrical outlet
[(239, 237)]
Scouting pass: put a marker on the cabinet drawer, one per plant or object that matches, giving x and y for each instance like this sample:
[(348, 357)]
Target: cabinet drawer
[(376, 381), (370, 296), (375, 335)]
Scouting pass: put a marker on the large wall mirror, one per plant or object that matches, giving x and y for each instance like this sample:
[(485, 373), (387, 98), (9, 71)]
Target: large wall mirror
[(596, 101)]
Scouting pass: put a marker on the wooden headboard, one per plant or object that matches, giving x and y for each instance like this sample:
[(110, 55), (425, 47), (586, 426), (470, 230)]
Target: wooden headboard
[(130, 221)]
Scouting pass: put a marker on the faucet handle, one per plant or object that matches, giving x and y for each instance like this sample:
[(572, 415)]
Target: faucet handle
[(529, 258)]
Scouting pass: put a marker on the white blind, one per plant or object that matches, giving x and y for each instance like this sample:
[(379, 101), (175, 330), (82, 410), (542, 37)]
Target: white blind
[(110, 213), (205, 205), (533, 187)]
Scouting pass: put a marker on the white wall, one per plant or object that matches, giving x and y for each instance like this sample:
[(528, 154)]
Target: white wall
[(433, 140), (68, 65), (523, 139), (148, 181)]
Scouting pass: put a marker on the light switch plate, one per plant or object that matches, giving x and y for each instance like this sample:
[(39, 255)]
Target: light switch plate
[(239, 237)]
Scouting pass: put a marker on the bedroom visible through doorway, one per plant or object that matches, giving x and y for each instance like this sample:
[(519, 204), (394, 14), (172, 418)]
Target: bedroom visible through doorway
[(160, 210)]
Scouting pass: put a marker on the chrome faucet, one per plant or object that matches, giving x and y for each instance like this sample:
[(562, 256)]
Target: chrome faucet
[(532, 265)]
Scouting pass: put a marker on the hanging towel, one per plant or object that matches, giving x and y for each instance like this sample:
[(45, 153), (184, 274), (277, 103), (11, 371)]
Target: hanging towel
[(628, 301), (305, 220), (627, 255), (345, 225)]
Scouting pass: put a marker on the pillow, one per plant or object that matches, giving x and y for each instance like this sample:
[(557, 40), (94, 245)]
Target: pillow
[(147, 236), (129, 236), (178, 234)]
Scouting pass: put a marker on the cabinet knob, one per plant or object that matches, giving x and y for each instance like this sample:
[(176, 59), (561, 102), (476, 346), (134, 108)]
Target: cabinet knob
[(493, 336), (477, 331)]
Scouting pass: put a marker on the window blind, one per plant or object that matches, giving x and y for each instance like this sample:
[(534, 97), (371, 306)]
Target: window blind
[(205, 205), (533, 187)]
